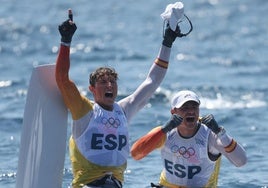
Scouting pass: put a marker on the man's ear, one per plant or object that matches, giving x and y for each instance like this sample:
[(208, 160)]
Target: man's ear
[(172, 111), (91, 88)]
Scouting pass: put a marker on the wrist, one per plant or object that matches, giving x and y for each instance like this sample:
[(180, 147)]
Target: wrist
[(167, 43), (66, 39), (228, 143), (224, 138), (164, 53), (221, 132), (65, 43), (164, 129)]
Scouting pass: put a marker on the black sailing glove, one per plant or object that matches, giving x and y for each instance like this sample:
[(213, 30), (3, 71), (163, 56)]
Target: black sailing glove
[(67, 30), (170, 36), (211, 123), (173, 122)]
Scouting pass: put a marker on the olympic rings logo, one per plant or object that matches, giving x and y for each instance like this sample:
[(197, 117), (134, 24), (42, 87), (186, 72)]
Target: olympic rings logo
[(111, 122), (183, 151)]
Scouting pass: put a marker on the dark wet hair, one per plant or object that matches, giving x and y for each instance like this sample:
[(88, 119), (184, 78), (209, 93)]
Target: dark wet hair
[(100, 72)]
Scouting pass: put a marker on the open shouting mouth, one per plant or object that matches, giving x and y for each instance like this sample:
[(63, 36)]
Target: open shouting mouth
[(109, 94), (190, 119)]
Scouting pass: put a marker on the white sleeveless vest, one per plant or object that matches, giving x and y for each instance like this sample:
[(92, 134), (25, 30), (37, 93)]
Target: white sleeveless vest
[(105, 142), (186, 161)]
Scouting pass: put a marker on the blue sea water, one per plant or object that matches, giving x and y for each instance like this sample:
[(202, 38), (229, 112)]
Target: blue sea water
[(224, 60)]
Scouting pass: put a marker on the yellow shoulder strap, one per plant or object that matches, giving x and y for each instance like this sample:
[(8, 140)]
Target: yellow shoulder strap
[(213, 181)]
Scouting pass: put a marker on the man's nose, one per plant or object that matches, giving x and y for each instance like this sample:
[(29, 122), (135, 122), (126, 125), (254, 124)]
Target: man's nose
[(109, 84)]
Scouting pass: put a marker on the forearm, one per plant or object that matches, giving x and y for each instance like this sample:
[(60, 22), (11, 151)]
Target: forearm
[(231, 149), (147, 143), (71, 95), (62, 65), (136, 101), (157, 72), (62, 71), (164, 53)]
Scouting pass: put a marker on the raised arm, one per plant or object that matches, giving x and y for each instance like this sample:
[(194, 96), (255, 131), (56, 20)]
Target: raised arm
[(69, 91), (224, 143), (172, 17), (133, 103)]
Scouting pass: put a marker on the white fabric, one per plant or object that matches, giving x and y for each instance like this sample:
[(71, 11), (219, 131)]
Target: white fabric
[(105, 141), (137, 100), (44, 132), (173, 14), (186, 161), (224, 139), (182, 97)]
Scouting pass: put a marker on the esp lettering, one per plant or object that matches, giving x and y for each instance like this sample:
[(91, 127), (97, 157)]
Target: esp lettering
[(182, 171), (109, 142)]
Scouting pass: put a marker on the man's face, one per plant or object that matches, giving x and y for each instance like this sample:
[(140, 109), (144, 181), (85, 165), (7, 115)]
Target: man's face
[(105, 91), (189, 111)]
